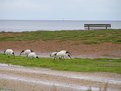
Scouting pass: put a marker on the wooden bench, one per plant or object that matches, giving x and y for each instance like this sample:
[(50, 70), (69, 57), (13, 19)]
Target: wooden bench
[(97, 26)]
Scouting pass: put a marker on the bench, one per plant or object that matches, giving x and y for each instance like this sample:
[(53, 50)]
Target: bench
[(97, 26)]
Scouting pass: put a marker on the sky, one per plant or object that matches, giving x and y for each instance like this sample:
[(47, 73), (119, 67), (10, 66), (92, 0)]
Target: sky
[(60, 9)]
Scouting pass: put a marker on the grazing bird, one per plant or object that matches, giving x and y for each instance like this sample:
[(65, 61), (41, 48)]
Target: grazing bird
[(61, 54), (53, 54), (9, 52), (32, 55), (26, 52)]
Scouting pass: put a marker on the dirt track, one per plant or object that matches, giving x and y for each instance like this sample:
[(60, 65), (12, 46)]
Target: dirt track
[(75, 47), (20, 78)]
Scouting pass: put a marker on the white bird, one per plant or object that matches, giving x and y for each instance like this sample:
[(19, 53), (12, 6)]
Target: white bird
[(53, 54), (62, 54), (32, 55), (9, 52), (26, 52)]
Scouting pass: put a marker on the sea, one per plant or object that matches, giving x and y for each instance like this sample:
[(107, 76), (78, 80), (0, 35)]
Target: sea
[(50, 25)]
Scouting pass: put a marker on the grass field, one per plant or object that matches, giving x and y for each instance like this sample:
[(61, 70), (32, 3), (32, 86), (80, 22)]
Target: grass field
[(87, 36), (77, 65)]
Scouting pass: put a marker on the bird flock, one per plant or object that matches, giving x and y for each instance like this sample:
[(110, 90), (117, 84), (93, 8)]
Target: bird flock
[(31, 54)]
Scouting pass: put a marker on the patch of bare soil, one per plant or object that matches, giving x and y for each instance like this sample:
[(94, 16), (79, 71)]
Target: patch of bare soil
[(75, 47), (20, 78)]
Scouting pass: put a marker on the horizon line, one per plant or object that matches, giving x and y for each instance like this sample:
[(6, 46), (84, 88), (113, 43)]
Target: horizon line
[(55, 20)]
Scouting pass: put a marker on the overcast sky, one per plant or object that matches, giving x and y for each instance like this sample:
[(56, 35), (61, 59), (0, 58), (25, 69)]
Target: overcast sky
[(60, 9)]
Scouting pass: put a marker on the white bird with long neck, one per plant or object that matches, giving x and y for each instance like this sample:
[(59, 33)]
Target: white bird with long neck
[(26, 52), (53, 54), (9, 52), (32, 55), (61, 54)]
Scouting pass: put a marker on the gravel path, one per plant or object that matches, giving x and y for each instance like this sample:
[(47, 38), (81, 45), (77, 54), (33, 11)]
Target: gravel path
[(20, 78)]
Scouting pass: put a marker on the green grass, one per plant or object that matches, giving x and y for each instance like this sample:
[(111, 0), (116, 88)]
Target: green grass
[(87, 36), (77, 65)]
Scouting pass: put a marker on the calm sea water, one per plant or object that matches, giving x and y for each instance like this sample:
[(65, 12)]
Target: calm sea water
[(33, 25)]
